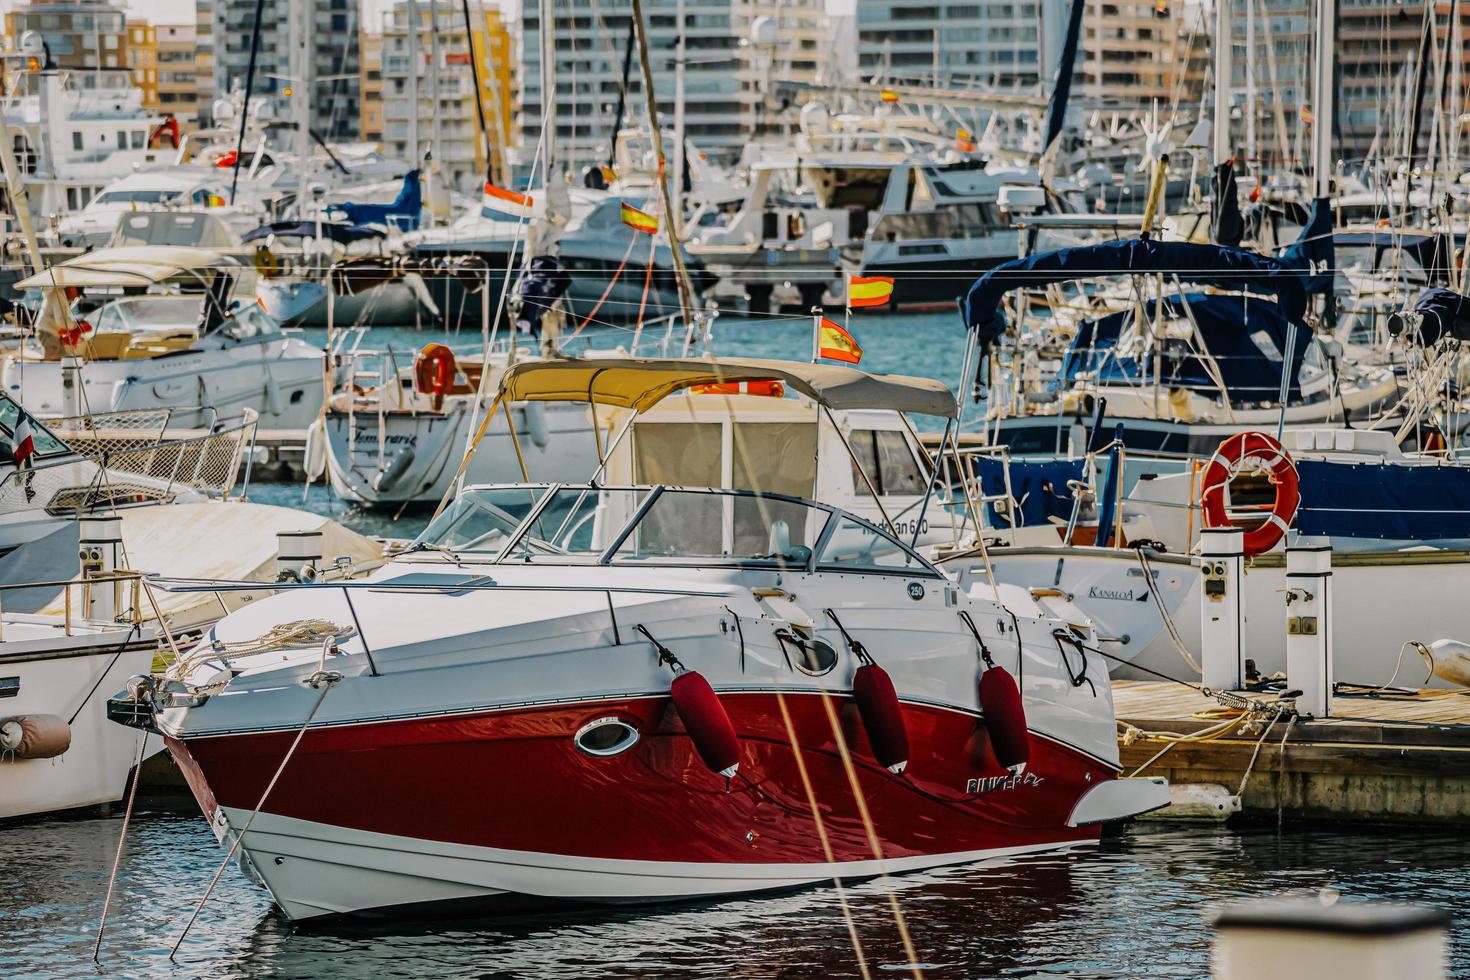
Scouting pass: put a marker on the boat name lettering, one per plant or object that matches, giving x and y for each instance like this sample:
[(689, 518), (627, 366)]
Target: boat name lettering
[(992, 784), (1124, 595)]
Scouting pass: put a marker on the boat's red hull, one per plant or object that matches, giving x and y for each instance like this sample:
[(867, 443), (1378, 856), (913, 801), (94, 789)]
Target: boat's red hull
[(513, 780)]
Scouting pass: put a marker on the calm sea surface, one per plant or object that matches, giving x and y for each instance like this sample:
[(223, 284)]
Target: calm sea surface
[(1132, 907)]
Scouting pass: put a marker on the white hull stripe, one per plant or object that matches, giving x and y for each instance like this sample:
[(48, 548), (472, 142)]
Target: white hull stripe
[(314, 869)]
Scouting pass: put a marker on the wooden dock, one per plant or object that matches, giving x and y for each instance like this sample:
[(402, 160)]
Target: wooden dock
[(1386, 758)]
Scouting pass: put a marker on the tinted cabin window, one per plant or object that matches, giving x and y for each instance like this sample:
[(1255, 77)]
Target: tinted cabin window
[(679, 454), (775, 457), (888, 462)]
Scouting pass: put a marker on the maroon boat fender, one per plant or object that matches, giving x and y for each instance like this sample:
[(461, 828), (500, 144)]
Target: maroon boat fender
[(878, 705), (1005, 718), (707, 722)]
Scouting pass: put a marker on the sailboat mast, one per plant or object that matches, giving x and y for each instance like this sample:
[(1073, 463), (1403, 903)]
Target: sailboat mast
[(1322, 99), (681, 274), (1224, 71)]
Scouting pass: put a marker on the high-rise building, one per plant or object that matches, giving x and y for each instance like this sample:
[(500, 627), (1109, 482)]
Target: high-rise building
[(954, 43), (178, 78), (437, 66), (1133, 52), (370, 84), (726, 71), (333, 91), (204, 93), (142, 55), (88, 36)]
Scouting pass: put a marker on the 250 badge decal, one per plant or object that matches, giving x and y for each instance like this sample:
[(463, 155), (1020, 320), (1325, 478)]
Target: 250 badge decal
[(992, 784)]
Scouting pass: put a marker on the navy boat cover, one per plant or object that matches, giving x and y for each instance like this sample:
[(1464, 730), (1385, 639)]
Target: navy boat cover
[(1245, 337), (1383, 500), (1229, 268)]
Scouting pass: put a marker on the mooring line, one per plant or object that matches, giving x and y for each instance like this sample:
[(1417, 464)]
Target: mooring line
[(121, 841), (324, 679)]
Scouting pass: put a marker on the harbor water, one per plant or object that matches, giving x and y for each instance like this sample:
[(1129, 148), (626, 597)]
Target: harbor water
[(1130, 907)]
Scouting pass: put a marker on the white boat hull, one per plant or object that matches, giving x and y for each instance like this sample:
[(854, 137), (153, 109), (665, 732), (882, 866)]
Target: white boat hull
[(72, 683)]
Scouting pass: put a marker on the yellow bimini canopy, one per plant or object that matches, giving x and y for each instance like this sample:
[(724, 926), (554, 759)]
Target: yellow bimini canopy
[(640, 383), (127, 267)]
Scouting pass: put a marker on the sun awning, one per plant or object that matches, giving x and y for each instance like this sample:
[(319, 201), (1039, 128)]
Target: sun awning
[(640, 383), (135, 266)]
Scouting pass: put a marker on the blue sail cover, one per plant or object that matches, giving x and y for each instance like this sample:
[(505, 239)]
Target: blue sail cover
[(402, 214), (1245, 337), (1313, 252), (1039, 487), (1228, 268), (1385, 501)]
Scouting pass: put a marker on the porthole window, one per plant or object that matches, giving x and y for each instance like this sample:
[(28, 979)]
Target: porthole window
[(606, 737)]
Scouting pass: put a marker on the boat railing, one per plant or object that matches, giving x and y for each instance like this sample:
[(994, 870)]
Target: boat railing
[(149, 472), (122, 583)]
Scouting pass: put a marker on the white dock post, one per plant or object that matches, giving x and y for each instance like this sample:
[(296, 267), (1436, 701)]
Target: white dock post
[(1345, 940), (1309, 627), (99, 546), (1222, 565), (298, 555)]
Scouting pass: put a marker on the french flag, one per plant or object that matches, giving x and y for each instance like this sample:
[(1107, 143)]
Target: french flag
[(25, 443)]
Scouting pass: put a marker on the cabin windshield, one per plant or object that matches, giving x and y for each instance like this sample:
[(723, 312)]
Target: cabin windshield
[(135, 314), (46, 444), (666, 525)]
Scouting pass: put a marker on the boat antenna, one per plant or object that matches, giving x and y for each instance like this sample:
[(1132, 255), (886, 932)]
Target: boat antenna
[(249, 90)]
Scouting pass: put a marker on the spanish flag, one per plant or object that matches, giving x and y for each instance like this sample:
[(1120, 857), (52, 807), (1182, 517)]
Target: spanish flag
[(888, 95), (963, 141), (868, 291), (639, 220), (836, 344)]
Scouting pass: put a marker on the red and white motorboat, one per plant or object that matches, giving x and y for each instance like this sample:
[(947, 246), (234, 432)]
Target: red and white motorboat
[(636, 694)]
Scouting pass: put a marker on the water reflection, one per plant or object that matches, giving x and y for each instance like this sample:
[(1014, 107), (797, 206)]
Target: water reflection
[(1127, 907)]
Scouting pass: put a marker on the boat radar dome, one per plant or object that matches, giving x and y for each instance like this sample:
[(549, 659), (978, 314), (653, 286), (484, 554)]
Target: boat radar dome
[(31, 43)]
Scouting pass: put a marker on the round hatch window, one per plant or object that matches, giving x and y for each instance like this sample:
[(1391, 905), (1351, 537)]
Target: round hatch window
[(814, 657), (606, 737)]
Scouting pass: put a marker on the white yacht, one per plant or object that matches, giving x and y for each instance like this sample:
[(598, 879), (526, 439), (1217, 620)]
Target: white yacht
[(116, 353)]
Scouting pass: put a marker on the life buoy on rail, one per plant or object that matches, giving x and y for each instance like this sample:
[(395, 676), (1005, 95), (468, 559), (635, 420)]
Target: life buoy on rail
[(433, 370), (1223, 467)]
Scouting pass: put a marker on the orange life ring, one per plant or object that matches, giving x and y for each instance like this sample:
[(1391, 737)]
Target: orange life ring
[(433, 370), (1226, 464)]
